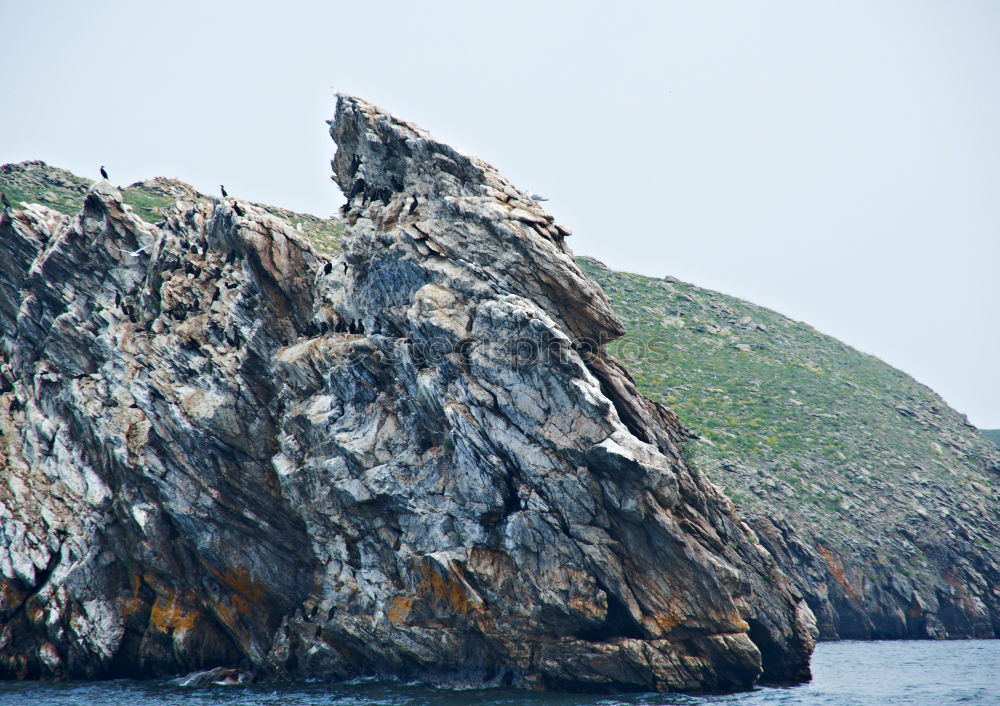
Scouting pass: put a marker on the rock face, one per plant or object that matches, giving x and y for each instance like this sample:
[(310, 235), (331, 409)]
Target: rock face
[(993, 435), (222, 449)]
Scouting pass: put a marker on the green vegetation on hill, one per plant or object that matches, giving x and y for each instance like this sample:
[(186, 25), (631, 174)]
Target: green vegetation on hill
[(791, 417), (37, 182)]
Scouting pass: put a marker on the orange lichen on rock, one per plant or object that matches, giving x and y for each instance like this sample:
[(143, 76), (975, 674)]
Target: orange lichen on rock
[(242, 582), (241, 605), (399, 610), (666, 622), (836, 569), (449, 589), (131, 604), (246, 607), (444, 593), (172, 613)]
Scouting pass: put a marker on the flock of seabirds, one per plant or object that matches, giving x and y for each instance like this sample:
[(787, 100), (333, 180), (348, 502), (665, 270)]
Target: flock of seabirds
[(355, 326)]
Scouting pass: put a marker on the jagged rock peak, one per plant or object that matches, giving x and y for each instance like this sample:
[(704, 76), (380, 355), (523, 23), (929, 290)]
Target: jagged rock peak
[(224, 450), (462, 209)]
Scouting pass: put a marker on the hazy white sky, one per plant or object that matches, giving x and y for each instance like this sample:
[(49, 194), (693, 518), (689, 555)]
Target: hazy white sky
[(835, 160)]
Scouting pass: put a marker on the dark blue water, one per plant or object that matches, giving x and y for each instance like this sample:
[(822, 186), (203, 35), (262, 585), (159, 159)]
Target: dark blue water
[(854, 673)]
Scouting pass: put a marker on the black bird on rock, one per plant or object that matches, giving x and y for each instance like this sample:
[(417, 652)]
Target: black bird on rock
[(223, 189), (327, 268), (104, 173), (6, 203), (345, 268), (239, 211), (351, 328)]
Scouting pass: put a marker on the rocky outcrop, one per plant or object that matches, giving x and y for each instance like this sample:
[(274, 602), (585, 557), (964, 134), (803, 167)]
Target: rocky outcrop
[(908, 551), (222, 449)]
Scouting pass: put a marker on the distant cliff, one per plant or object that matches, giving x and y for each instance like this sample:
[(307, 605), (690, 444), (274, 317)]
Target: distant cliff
[(223, 447)]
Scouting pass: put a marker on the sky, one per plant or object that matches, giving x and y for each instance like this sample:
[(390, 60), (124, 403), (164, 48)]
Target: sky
[(835, 160)]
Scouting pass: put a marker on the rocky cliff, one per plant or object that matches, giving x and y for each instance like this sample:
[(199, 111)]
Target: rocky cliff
[(221, 447), (877, 498)]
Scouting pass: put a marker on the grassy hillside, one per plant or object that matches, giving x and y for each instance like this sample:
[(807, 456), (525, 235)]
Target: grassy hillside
[(37, 182), (891, 490), (992, 434), (791, 416)]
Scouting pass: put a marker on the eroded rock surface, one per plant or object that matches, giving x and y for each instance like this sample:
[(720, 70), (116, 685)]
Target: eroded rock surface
[(223, 449)]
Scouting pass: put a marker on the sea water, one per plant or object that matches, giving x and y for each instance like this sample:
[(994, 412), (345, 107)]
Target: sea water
[(915, 673)]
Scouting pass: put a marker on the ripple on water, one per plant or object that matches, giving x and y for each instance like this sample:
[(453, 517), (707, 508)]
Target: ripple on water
[(845, 674)]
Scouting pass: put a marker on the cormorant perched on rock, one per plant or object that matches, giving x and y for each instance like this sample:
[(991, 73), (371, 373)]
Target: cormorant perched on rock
[(339, 326), (351, 328), (104, 173), (239, 211), (345, 268), (6, 203), (327, 268), (222, 188)]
